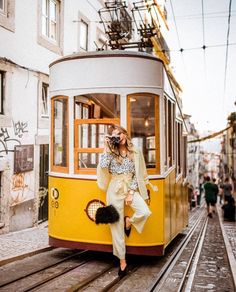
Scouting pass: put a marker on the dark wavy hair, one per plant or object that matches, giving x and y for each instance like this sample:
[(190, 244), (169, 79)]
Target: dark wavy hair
[(129, 145)]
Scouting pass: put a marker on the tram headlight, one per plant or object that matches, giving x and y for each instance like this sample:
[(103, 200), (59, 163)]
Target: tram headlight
[(54, 193), (92, 207)]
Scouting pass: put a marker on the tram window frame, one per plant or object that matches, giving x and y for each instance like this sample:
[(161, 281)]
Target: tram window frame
[(56, 168), (156, 149), (166, 164), (184, 155), (97, 113), (178, 147), (89, 150), (169, 112)]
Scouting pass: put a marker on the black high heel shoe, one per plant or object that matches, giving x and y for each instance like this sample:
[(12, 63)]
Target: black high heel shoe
[(127, 231), (122, 273)]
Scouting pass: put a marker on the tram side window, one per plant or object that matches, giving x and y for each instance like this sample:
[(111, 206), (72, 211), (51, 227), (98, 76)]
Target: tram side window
[(184, 156), (169, 132), (143, 123), (178, 147), (60, 133), (93, 113)]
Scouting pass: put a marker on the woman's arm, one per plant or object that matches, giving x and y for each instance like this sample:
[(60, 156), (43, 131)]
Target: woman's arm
[(105, 160)]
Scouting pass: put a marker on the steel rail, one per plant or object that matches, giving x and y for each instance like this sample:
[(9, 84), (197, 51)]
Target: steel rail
[(54, 276), (163, 274), (196, 254), (42, 269)]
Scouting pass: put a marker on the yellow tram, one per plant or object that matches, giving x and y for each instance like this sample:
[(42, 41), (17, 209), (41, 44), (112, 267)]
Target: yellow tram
[(90, 91)]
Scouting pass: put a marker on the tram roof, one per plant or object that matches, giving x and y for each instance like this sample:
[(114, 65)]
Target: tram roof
[(106, 54)]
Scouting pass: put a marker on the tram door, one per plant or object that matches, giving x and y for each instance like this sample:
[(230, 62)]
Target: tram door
[(43, 183)]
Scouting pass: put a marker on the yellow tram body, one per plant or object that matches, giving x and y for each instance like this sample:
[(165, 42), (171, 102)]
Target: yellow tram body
[(72, 185)]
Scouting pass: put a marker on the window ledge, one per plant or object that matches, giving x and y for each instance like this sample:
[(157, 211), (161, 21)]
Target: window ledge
[(46, 43), (7, 20)]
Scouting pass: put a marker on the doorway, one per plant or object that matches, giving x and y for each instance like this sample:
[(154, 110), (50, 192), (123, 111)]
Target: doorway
[(43, 183)]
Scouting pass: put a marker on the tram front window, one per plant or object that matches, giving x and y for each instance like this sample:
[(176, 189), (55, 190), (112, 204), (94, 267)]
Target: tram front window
[(93, 113), (60, 133), (143, 125)]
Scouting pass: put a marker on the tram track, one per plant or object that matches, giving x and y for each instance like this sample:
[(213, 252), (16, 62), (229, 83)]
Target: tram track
[(176, 271), (92, 271), (184, 254), (116, 284), (8, 283), (65, 271)]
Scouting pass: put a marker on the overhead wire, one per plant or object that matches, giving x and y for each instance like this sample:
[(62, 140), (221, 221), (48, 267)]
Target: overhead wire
[(203, 38), (201, 48), (213, 135), (204, 48), (92, 5), (218, 14), (181, 50), (177, 33), (227, 50), (173, 13)]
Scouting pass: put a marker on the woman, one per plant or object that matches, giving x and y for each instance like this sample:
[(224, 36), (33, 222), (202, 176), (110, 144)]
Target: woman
[(122, 174)]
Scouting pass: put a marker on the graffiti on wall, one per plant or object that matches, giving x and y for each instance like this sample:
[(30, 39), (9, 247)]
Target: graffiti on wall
[(42, 195), (22, 183), (22, 188), (6, 142), (20, 128)]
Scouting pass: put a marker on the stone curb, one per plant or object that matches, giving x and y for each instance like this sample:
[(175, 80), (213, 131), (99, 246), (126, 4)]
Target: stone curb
[(5, 261), (230, 254)]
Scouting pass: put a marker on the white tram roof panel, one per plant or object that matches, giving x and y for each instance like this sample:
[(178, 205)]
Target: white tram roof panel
[(106, 69)]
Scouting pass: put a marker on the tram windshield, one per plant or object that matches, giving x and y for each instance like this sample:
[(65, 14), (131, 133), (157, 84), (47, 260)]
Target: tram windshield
[(93, 113)]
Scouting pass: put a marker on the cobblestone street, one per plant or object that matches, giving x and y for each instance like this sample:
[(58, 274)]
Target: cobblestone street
[(212, 272), (17, 244), (211, 269)]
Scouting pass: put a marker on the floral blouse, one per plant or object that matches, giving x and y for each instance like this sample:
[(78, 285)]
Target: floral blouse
[(127, 166)]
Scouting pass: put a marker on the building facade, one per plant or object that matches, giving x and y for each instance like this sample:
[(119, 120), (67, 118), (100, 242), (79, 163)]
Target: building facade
[(33, 34), (228, 151), (193, 154)]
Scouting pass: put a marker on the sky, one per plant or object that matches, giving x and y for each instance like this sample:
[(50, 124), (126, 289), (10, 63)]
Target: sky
[(207, 80)]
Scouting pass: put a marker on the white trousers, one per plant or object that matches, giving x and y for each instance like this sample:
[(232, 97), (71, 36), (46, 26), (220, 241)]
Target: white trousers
[(116, 195)]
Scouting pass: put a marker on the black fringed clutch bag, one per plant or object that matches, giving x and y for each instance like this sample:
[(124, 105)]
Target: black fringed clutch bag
[(107, 215)]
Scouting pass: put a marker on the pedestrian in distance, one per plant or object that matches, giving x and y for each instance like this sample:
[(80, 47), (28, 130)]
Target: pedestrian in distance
[(216, 189), (122, 174), (229, 209), (190, 195), (227, 190), (201, 183), (221, 193), (209, 196)]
